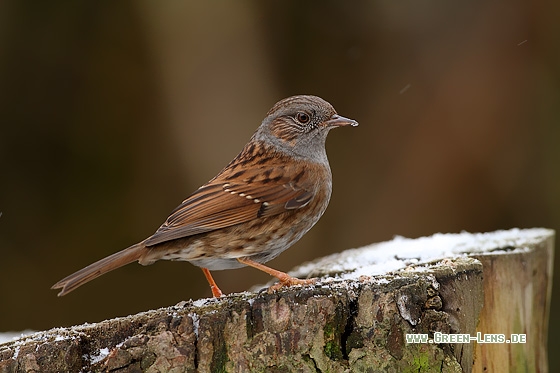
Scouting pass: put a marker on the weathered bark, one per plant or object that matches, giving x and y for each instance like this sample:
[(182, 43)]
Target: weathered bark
[(344, 323), (517, 290)]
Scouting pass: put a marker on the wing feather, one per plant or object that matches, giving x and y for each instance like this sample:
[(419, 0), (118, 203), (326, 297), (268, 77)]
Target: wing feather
[(235, 197)]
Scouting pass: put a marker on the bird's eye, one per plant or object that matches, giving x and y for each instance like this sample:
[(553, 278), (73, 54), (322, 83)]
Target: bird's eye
[(302, 118)]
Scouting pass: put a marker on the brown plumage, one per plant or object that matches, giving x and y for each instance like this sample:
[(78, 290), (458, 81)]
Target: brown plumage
[(260, 204)]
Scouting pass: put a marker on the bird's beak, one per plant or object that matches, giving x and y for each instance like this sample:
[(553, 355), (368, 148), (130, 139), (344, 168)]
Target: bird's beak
[(340, 121)]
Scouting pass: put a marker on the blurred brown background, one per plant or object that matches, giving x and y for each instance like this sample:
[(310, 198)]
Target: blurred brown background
[(113, 112)]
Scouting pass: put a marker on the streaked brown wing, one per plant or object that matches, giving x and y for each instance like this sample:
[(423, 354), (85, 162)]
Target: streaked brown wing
[(233, 198)]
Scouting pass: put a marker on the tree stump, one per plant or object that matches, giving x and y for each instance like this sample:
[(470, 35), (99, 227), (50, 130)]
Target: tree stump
[(394, 306)]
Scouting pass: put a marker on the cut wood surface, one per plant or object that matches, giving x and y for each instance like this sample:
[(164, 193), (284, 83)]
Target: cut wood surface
[(356, 318)]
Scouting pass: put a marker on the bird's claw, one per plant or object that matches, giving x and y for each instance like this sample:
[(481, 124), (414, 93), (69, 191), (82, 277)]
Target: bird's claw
[(290, 281)]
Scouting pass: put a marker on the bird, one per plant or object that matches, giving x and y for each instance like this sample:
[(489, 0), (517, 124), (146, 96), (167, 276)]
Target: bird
[(260, 204)]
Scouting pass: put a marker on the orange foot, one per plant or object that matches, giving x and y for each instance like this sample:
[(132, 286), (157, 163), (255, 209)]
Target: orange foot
[(216, 292), (290, 281), (285, 279)]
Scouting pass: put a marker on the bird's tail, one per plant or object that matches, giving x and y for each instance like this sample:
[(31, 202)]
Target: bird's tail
[(92, 271)]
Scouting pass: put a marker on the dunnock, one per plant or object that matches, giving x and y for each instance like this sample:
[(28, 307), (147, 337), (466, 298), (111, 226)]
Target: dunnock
[(260, 204)]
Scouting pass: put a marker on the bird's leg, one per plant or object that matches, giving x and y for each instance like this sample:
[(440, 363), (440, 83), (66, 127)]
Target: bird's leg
[(216, 292), (285, 279)]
